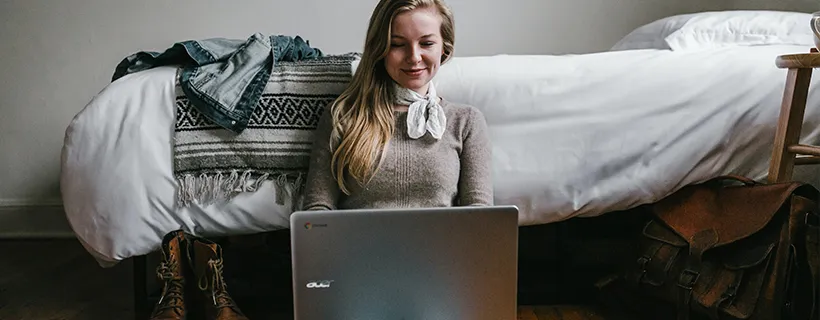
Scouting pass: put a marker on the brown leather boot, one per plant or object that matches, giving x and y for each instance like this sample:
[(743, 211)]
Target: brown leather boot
[(206, 262), (171, 305)]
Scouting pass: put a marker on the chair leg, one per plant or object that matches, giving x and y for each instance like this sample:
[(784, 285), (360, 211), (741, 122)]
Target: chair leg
[(789, 124), (140, 266)]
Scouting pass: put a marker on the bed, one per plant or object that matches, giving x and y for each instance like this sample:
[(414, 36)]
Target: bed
[(675, 102)]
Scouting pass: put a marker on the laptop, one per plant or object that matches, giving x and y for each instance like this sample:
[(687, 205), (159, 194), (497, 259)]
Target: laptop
[(451, 263)]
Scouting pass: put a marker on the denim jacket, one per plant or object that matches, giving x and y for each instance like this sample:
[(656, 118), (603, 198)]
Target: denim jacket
[(223, 78)]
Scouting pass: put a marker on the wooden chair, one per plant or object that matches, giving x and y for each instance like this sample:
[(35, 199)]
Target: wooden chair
[(787, 150)]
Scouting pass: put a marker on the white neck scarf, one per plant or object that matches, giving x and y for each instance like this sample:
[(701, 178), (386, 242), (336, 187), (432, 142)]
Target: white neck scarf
[(424, 114)]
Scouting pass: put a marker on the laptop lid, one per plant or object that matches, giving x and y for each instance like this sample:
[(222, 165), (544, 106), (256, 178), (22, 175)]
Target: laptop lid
[(439, 263)]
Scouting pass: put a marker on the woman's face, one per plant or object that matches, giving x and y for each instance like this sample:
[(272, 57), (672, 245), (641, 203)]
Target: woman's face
[(415, 49)]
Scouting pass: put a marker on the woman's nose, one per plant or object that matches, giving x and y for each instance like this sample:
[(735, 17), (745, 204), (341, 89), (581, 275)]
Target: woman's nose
[(414, 56)]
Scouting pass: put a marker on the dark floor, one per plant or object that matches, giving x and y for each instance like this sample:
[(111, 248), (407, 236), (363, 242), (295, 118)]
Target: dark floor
[(58, 279)]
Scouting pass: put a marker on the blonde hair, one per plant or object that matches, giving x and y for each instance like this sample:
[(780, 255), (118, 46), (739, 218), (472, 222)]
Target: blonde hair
[(362, 116)]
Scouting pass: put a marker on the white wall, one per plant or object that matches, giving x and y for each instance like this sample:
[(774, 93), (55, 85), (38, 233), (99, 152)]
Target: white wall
[(56, 55), (788, 5)]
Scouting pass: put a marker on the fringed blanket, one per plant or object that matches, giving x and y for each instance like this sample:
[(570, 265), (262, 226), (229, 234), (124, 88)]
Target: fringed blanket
[(212, 164)]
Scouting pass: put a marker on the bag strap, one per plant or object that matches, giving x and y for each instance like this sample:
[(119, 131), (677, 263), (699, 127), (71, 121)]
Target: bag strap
[(737, 178), (699, 243), (702, 241)]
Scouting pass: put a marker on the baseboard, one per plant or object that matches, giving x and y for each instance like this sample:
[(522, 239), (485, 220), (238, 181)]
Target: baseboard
[(33, 219)]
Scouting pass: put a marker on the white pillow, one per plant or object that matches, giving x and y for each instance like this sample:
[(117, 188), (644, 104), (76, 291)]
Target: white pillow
[(721, 28), (652, 35)]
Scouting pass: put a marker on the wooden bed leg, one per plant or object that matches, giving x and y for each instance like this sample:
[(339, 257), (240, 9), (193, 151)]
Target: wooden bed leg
[(140, 288)]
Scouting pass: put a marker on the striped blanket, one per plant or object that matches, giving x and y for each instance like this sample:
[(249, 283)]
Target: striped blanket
[(213, 164)]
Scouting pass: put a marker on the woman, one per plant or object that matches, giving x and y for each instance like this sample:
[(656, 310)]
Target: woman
[(389, 141)]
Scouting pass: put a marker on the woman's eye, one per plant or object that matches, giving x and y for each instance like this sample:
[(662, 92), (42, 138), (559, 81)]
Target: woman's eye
[(427, 44), (395, 45)]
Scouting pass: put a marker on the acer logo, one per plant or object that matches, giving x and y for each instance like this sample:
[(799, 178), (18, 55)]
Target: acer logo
[(319, 284)]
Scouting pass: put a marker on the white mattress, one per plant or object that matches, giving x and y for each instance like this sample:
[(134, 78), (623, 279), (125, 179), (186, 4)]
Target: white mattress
[(573, 135)]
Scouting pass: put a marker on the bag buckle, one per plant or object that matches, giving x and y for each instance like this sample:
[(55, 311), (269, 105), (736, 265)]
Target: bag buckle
[(731, 291), (642, 261), (641, 271), (687, 279)]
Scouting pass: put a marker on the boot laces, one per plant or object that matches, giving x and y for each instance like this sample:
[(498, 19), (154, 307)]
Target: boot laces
[(173, 286), (219, 289)]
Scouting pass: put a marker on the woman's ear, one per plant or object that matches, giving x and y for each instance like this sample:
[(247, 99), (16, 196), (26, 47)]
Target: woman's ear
[(445, 57)]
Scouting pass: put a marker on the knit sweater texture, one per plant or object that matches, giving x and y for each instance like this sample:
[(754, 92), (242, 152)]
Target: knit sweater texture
[(414, 173)]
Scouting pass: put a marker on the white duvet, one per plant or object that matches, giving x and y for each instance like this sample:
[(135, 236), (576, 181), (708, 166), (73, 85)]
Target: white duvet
[(573, 135)]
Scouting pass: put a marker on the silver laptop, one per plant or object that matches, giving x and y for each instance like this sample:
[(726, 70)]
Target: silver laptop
[(405, 264)]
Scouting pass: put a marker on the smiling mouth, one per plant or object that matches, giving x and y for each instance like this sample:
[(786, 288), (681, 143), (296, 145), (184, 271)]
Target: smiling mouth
[(413, 72)]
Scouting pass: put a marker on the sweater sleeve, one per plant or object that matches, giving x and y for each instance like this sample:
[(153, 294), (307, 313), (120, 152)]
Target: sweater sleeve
[(475, 185), (321, 191)]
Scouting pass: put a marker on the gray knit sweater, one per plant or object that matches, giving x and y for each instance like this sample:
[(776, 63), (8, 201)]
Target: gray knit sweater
[(424, 172)]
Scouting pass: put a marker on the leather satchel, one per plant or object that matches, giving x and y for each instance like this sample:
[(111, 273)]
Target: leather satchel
[(719, 250)]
